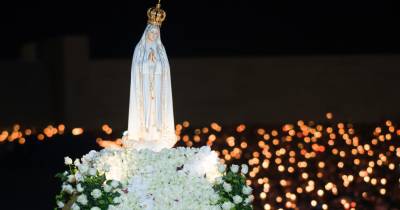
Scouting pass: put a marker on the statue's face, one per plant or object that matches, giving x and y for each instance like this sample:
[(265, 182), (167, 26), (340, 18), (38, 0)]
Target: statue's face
[(152, 35)]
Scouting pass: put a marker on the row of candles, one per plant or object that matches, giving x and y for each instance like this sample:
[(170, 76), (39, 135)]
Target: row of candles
[(303, 165)]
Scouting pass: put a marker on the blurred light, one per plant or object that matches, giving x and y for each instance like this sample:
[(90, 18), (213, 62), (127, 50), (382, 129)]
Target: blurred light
[(77, 131)]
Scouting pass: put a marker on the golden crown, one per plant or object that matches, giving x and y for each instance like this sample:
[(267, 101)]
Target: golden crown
[(156, 15)]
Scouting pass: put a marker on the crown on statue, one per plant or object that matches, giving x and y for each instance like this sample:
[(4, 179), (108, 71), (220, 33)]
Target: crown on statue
[(156, 15)]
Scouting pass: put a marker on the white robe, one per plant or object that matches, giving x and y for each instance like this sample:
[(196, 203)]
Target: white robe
[(151, 118)]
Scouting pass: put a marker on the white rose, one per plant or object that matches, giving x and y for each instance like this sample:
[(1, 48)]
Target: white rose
[(107, 168), (117, 200), (114, 184), (215, 198), (219, 180), (95, 208), (227, 205), (75, 207), (227, 187), (71, 179), (216, 208), (89, 157), (221, 168), (107, 188), (237, 199), (96, 193), (245, 169), (249, 199), (92, 172), (246, 190), (67, 161), (234, 168), (79, 177), (68, 189), (77, 162), (79, 188), (83, 168), (60, 204), (82, 199)]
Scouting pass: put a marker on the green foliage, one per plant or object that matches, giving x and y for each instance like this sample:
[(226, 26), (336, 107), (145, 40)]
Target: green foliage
[(237, 182), (73, 188)]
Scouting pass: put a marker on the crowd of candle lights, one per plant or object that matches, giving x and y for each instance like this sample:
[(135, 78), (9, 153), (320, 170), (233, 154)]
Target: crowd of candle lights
[(304, 165)]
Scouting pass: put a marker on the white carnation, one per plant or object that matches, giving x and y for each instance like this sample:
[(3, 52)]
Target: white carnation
[(237, 199), (234, 168), (96, 193), (68, 161), (95, 208)]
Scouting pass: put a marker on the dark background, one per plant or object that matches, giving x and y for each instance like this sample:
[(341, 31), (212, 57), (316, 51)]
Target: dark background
[(326, 45), (210, 27), (242, 54)]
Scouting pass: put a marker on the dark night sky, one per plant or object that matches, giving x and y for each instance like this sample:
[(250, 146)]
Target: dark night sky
[(209, 27)]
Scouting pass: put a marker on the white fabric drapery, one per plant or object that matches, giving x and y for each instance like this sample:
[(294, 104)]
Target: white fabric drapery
[(151, 119)]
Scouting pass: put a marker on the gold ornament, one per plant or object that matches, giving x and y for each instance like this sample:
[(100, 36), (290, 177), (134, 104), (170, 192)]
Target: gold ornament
[(156, 15)]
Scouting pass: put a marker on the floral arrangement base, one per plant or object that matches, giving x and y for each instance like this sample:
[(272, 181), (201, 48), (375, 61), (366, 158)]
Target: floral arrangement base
[(172, 179)]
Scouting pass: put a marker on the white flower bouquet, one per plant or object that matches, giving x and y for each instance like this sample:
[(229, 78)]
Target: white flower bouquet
[(172, 179), (85, 188)]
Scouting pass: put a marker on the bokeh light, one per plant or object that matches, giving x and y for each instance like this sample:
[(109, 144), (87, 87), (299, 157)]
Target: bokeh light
[(304, 165)]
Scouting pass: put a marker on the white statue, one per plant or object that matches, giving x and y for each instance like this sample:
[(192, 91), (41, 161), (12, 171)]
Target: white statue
[(151, 119)]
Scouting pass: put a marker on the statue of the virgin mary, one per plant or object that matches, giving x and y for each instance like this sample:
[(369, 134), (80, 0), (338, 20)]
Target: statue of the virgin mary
[(151, 120)]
